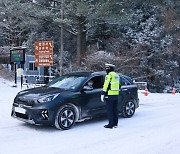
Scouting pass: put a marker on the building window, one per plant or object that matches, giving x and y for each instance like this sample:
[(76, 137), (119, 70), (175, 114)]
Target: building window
[(35, 68), (32, 67)]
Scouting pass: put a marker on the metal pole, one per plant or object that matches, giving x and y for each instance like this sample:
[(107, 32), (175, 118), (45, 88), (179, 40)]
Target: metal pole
[(62, 37), (21, 75), (15, 75)]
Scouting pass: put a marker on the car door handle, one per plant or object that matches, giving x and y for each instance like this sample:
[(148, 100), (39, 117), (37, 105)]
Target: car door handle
[(124, 90)]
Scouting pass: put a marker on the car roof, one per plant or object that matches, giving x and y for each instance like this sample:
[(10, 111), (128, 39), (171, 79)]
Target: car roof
[(86, 74), (83, 73), (91, 74)]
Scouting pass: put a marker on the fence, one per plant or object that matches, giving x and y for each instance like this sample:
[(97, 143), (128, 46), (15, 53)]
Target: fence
[(37, 82), (141, 85)]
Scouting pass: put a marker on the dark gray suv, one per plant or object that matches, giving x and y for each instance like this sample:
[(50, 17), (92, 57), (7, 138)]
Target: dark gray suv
[(70, 98)]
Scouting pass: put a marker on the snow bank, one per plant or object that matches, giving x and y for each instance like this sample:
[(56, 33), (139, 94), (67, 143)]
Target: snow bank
[(154, 129)]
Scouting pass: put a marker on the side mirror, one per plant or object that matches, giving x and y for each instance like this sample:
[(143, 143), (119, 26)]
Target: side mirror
[(87, 88)]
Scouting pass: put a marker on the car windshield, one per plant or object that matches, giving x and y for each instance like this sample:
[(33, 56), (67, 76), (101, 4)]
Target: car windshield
[(67, 82)]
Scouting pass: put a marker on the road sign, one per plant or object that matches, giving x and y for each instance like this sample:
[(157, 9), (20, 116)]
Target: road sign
[(43, 53), (17, 56)]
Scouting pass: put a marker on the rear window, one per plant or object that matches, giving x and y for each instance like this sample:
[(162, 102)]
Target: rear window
[(124, 81)]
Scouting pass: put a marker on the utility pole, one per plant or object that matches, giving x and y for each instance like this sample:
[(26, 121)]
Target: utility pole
[(62, 38)]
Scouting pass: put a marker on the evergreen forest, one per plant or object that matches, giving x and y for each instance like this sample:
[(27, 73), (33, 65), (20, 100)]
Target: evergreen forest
[(141, 37)]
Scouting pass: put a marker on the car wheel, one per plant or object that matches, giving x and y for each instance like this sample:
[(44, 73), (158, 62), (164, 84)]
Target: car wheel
[(128, 109), (65, 117)]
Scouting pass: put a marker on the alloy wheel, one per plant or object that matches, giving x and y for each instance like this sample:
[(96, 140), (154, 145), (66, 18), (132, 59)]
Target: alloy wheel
[(67, 118), (130, 107)]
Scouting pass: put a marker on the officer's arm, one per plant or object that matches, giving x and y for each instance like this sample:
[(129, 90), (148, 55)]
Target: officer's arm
[(106, 83)]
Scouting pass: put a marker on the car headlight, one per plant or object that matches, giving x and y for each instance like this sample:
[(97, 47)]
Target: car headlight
[(22, 92), (47, 98)]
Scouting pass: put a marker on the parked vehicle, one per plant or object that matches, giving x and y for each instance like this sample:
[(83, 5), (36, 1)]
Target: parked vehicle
[(69, 99)]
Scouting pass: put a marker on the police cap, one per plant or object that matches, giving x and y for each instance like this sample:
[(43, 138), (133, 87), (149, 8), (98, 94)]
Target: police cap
[(109, 65)]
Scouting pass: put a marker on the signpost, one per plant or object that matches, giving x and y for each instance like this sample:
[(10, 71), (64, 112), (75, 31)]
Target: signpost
[(43, 53), (17, 56)]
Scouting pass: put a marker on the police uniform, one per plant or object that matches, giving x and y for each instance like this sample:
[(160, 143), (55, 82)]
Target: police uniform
[(110, 95)]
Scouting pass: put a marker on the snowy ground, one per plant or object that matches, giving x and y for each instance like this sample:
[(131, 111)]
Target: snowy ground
[(154, 129)]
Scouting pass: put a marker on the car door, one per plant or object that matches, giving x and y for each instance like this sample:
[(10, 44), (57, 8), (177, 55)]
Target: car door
[(91, 98), (124, 91)]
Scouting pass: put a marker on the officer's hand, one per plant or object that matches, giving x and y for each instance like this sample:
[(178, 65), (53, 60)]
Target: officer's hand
[(102, 98)]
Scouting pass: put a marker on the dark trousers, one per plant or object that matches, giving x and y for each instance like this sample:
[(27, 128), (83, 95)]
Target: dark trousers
[(112, 111)]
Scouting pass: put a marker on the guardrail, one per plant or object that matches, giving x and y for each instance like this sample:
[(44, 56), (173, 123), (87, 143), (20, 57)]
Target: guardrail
[(141, 85), (38, 80)]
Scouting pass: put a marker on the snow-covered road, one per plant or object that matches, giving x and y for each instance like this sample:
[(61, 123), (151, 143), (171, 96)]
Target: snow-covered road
[(154, 129)]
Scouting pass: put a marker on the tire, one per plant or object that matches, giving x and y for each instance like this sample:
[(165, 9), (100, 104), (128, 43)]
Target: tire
[(65, 117), (128, 109)]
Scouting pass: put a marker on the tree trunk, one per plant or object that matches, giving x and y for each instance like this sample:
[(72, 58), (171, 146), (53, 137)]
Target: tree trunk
[(81, 40)]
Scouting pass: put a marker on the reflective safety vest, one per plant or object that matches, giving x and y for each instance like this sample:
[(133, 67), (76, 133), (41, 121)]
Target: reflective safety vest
[(111, 84)]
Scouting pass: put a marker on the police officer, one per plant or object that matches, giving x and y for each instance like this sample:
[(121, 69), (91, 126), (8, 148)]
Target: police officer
[(110, 95)]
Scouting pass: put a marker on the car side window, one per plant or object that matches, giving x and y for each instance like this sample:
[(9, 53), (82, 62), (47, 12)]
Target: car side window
[(124, 81), (96, 82)]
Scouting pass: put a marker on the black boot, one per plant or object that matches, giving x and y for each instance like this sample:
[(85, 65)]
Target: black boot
[(108, 126)]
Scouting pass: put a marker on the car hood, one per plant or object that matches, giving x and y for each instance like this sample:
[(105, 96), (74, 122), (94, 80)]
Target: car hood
[(29, 97), (38, 92)]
